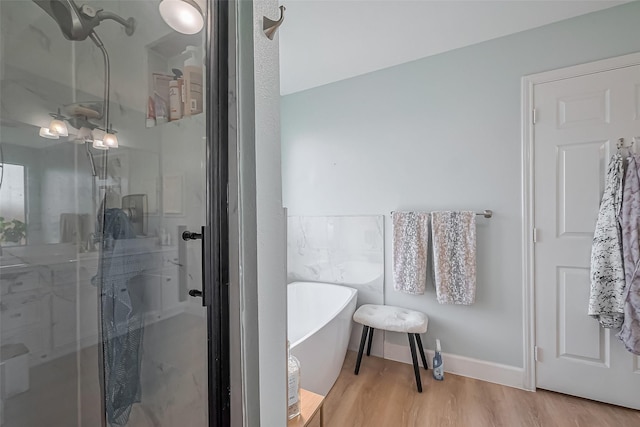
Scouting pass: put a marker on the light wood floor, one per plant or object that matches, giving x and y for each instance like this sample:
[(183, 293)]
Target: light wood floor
[(384, 395)]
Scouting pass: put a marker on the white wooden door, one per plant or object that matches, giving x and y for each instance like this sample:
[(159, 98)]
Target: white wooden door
[(578, 122)]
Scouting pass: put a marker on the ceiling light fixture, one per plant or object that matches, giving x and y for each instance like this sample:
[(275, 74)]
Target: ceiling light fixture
[(184, 16)]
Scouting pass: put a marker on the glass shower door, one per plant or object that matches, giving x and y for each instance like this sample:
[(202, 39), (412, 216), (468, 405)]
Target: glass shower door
[(107, 159), (154, 353)]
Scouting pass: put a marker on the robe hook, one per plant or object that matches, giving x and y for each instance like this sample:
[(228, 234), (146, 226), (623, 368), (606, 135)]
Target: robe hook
[(620, 143), (269, 26)]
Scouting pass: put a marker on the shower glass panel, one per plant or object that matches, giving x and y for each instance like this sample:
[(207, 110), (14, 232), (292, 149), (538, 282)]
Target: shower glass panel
[(98, 327)]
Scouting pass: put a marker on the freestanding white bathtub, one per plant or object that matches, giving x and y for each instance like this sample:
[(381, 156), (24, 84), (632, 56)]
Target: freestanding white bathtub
[(319, 327)]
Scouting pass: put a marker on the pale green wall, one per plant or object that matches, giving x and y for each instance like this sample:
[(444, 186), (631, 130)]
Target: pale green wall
[(442, 133)]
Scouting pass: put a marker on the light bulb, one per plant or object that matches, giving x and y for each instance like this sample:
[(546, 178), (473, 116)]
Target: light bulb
[(184, 16), (58, 127), (187, 18), (110, 140), (46, 133)]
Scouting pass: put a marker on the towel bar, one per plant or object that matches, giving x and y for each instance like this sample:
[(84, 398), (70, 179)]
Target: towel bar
[(487, 213)]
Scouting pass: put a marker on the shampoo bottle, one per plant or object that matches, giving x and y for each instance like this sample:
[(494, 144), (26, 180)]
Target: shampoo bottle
[(175, 95), (293, 390), (438, 369)]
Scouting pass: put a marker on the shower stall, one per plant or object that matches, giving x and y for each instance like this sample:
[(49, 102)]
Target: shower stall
[(113, 177)]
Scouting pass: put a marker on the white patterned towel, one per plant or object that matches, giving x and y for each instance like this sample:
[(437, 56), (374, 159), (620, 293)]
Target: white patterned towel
[(454, 256), (410, 245)]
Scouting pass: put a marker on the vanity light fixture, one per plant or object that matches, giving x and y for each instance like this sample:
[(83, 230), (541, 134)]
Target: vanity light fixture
[(110, 139), (184, 16), (46, 133), (98, 139), (99, 145), (83, 135), (57, 125)]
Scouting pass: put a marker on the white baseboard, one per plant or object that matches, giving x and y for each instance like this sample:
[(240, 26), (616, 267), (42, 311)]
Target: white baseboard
[(460, 365)]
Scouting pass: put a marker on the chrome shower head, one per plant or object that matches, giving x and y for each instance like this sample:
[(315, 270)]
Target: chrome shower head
[(77, 23)]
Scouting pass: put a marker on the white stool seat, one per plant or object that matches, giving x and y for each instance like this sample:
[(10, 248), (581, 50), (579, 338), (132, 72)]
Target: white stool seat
[(390, 318), (396, 319)]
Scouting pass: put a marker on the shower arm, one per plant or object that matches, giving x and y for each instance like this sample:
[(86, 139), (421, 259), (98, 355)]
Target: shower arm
[(107, 77), (128, 24), (105, 110)]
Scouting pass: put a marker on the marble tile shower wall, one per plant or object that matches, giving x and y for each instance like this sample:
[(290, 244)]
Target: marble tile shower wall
[(346, 250)]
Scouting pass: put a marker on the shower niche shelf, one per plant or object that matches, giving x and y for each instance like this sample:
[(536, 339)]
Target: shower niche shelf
[(175, 78)]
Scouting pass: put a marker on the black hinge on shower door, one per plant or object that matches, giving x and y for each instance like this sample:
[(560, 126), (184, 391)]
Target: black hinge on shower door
[(190, 235)]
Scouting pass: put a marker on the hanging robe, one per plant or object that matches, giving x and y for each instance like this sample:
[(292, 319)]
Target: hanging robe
[(606, 301), (630, 222)]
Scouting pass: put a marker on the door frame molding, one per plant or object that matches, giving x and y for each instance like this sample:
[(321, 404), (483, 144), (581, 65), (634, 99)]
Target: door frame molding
[(528, 203)]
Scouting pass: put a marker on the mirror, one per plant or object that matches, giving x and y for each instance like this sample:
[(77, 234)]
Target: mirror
[(36, 205)]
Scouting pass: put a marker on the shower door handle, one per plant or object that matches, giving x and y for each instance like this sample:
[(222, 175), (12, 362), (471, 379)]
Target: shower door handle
[(190, 235)]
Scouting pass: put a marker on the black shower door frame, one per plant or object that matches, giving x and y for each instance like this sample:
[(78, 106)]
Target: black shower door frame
[(215, 256)]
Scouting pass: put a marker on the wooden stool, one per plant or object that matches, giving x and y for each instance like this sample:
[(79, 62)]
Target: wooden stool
[(396, 319)]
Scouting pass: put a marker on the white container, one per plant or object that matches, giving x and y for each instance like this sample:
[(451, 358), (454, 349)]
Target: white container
[(14, 370), (175, 100), (293, 389)]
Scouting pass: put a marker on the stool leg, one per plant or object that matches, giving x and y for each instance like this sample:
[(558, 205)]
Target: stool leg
[(424, 359), (365, 329), (416, 369), (370, 339)]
